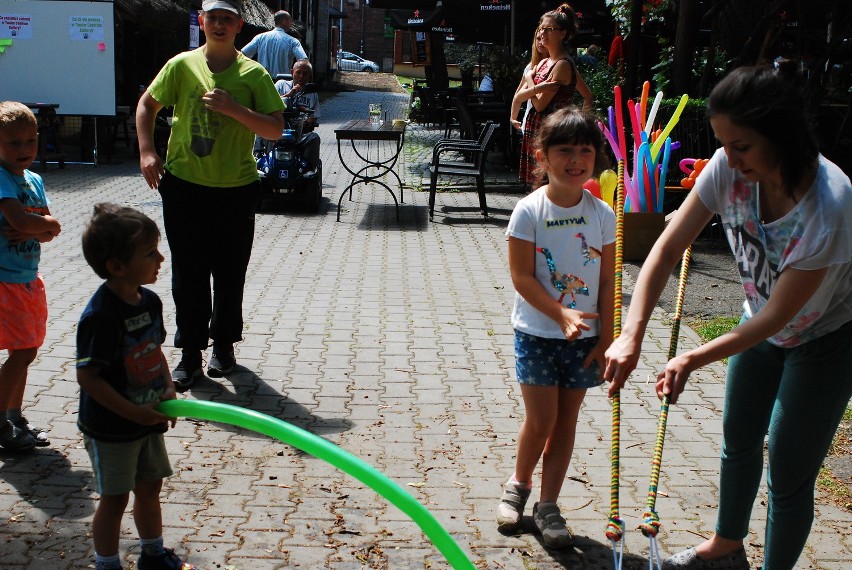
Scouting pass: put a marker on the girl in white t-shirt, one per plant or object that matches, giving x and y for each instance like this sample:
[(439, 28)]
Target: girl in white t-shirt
[(561, 250), (785, 209)]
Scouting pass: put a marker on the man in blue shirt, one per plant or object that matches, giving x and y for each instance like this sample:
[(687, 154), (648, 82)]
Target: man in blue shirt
[(276, 50)]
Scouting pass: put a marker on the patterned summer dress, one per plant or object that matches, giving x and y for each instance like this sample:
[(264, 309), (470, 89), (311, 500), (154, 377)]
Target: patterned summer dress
[(562, 98)]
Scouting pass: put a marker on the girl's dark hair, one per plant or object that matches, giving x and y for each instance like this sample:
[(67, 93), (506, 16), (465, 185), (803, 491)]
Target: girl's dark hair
[(565, 18), (115, 232), (768, 99), (570, 125)]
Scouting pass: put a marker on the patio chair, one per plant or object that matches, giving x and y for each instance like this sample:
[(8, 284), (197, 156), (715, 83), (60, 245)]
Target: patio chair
[(467, 126), (477, 151)]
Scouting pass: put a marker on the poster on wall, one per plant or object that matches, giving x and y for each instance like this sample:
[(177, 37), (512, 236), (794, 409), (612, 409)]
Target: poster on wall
[(16, 26), (86, 28)]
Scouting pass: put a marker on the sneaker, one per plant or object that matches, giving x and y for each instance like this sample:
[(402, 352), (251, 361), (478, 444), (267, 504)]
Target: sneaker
[(168, 560), (689, 560), (39, 434), (550, 523), (13, 438), (511, 507), (222, 362), (188, 369)]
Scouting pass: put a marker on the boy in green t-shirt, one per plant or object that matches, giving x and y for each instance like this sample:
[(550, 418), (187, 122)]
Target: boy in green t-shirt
[(209, 182)]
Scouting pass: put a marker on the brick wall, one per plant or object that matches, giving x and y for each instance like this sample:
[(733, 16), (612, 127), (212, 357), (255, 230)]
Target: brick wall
[(371, 21)]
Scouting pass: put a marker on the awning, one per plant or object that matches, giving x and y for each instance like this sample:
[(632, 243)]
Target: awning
[(403, 4), (467, 21), (416, 20)]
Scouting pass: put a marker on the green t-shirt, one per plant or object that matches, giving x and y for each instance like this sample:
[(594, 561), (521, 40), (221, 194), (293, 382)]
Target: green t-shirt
[(206, 147)]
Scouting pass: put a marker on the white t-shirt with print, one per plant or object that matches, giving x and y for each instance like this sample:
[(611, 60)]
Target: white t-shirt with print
[(815, 234), (568, 245)]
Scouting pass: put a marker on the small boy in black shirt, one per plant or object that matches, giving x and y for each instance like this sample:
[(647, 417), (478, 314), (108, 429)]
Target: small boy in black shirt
[(123, 375)]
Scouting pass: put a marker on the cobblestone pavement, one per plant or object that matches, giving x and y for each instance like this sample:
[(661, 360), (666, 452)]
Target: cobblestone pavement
[(392, 340)]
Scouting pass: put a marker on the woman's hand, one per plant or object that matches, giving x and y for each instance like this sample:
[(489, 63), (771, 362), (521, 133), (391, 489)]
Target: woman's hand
[(622, 358), (672, 380), (515, 123)]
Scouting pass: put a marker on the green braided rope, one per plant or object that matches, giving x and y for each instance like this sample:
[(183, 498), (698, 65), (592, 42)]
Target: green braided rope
[(650, 520), (615, 526)]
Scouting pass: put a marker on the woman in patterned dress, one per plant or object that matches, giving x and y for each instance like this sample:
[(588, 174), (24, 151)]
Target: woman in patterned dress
[(556, 27)]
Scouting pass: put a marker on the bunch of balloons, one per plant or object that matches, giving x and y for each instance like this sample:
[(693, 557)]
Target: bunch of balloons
[(651, 152)]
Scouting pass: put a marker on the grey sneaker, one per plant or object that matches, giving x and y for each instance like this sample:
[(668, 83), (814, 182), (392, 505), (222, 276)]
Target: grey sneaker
[(511, 507), (39, 434), (689, 560), (222, 363), (13, 438), (187, 370), (550, 523)]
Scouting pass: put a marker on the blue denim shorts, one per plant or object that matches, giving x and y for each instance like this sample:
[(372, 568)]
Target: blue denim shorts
[(555, 362)]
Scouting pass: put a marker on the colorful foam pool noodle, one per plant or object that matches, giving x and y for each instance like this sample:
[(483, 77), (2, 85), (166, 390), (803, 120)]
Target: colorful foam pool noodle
[(643, 103), (611, 116), (611, 139), (649, 124), (655, 149), (615, 526), (647, 167), (651, 523), (330, 453), (664, 167), (633, 114), (639, 178)]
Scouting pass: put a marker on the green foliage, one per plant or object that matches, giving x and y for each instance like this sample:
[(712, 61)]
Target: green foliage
[(697, 104), (463, 55), (663, 69), (652, 11), (506, 70), (601, 80)]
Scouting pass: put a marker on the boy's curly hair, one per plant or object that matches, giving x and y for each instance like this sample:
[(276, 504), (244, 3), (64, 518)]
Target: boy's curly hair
[(115, 232), (13, 113)]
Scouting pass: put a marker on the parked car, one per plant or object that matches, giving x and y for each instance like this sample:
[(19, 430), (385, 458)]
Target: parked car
[(348, 61)]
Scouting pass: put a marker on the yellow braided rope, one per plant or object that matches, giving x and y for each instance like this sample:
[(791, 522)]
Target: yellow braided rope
[(615, 526), (650, 520)]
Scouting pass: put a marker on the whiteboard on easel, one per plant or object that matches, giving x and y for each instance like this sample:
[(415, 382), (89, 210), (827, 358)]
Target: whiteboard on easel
[(58, 52)]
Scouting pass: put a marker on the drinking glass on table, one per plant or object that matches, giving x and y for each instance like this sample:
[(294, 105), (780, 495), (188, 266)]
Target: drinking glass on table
[(375, 113)]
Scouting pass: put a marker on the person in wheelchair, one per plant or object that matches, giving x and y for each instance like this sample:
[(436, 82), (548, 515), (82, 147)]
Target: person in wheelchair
[(294, 94)]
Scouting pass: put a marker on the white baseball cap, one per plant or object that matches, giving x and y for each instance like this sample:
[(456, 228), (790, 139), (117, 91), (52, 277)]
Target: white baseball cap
[(235, 6)]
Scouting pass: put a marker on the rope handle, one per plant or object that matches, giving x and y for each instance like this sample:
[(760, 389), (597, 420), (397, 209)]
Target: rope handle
[(650, 526), (615, 526)]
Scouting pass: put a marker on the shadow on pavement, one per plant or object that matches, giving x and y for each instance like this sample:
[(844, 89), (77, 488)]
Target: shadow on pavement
[(412, 217), (252, 392), (586, 552), (45, 479)]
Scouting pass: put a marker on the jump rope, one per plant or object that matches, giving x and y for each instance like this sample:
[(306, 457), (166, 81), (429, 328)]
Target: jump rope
[(650, 526)]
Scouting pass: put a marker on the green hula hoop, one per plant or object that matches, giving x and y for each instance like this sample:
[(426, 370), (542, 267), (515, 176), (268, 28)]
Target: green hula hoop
[(330, 453)]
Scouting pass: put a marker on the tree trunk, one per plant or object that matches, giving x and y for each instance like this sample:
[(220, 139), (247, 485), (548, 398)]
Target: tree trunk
[(688, 20)]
